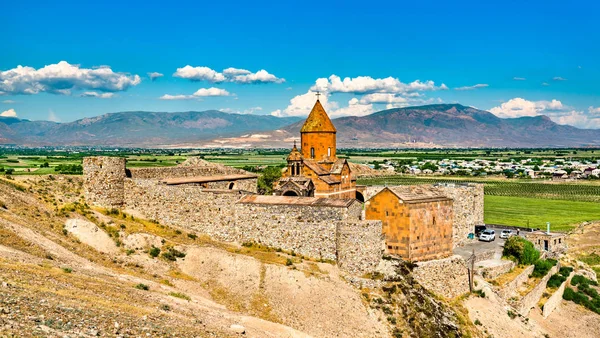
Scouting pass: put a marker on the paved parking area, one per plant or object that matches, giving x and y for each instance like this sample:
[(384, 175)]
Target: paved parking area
[(480, 246)]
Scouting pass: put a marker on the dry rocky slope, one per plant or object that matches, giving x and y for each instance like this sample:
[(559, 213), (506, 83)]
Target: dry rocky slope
[(68, 270)]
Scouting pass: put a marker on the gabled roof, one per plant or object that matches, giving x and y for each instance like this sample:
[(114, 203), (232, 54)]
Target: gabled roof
[(415, 195), (317, 121), (337, 166), (314, 166), (329, 179)]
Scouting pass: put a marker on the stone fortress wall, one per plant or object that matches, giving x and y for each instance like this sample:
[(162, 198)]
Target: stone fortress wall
[(331, 232)]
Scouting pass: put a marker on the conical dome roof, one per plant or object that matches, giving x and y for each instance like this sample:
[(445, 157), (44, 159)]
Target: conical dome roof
[(294, 155), (318, 121)]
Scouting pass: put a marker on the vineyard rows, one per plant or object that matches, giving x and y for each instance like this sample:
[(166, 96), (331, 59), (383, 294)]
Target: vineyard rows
[(558, 191)]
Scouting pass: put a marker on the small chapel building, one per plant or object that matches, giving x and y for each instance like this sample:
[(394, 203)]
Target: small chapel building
[(315, 170)]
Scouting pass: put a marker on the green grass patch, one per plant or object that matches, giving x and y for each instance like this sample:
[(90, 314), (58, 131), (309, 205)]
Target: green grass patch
[(563, 215), (180, 295)]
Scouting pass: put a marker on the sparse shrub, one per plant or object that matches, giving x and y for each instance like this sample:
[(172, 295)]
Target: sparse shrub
[(178, 232), (165, 307), (129, 252), (511, 314), (565, 271), (521, 250), (172, 254), (542, 267), (67, 270), (154, 252), (65, 232), (479, 293), (555, 281), (122, 226), (386, 310), (392, 320), (288, 262), (477, 322), (192, 236), (180, 295), (247, 244), (142, 287)]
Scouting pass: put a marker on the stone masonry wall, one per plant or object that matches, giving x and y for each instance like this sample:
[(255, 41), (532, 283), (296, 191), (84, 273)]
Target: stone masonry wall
[(448, 277), (104, 181), (307, 230), (533, 297), (186, 206), (182, 171), (510, 289), (359, 246), (468, 208), (554, 301)]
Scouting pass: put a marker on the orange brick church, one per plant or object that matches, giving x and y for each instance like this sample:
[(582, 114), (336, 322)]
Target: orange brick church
[(315, 170)]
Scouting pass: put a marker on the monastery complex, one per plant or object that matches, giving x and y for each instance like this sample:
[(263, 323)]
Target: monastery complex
[(317, 209)]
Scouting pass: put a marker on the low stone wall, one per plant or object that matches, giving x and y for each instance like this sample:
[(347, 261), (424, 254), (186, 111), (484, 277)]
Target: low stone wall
[(485, 255), (533, 297), (492, 272), (468, 208), (359, 245), (448, 277), (181, 171), (510, 289), (554, 301)]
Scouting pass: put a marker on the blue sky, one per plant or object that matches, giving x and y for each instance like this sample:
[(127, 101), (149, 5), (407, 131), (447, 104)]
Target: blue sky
[(513, 58)]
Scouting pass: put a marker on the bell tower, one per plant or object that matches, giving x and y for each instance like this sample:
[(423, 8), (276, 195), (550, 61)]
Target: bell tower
[(317, 136)]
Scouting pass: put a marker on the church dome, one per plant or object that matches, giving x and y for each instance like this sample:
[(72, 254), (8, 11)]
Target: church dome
[(318, 121)]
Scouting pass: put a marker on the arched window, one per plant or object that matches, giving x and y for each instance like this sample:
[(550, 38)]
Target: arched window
[(329, 152), (297, 169), (312, 152)]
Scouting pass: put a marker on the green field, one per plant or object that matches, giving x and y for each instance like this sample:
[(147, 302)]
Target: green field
[(562, 215)]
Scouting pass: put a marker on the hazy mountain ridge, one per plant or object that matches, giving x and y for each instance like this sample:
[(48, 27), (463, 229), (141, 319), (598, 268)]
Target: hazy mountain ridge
[(137, 128), (444, 125)]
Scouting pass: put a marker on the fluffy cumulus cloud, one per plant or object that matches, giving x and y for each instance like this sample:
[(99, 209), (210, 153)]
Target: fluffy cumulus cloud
[(367, 84), (62, 78), (518, 107), (98, 95), (366, 91), (235, 75), (554, 109), (155, 75), (9, 113), (477, 86), (202, 92)]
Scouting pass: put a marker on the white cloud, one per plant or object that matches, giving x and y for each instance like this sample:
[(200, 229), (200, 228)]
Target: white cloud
[(9, 113), (593, 110), (354, 108), (62, 78), (231, 74), (367, 84), (9, 101), (202, 92), (479, 85), (235, 71), (52, 116), (545, 84), (578, 119), (519, 78), (518, 107), (262, 76), (199, 74), (555, 110), (98, 95), (155, 75), (558, 78), (383, 98)]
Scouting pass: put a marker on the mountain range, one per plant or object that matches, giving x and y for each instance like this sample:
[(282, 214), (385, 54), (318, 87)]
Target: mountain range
[(439, 125)]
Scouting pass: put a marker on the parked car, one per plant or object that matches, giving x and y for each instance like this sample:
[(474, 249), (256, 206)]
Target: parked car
[(487, 235), (505, 234), (479, 229)]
